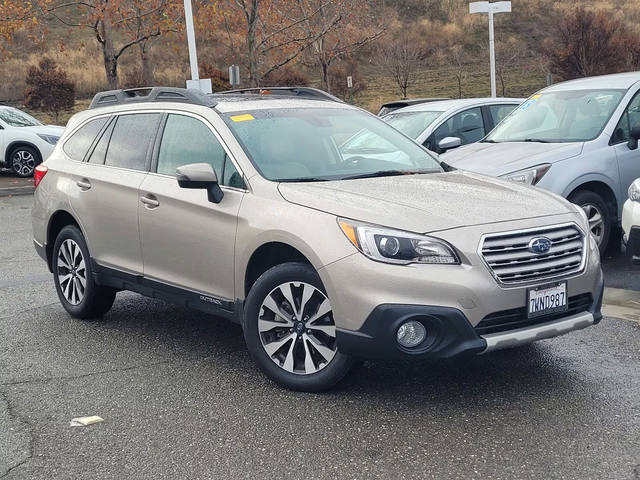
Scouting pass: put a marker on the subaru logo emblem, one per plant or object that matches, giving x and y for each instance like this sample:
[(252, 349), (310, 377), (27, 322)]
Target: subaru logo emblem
[(540, 245)]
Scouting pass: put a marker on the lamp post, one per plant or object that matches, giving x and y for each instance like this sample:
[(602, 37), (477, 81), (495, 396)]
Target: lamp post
[(203, 85), (490, 8)]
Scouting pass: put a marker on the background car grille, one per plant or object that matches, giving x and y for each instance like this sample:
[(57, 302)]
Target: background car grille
[(509, 258), (517, 317)]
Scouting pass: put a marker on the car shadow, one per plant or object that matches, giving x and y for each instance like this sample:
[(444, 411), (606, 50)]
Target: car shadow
[(531, 371)]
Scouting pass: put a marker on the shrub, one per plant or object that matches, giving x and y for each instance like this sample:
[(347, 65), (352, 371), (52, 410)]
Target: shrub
[(285, 77), (48, 88), (219, 78)]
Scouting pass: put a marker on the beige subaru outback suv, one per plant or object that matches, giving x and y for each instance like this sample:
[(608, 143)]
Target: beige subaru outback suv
[(260, 209)]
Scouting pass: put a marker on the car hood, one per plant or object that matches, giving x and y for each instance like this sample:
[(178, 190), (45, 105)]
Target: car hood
[(46, 130), (501, 158), (426, 203)]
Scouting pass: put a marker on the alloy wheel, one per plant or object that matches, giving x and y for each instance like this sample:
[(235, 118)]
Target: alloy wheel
[(296, 328), (71, 271), (23, 163), (596, 221)]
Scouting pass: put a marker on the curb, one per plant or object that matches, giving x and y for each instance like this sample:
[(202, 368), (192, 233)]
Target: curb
[(11, 191)]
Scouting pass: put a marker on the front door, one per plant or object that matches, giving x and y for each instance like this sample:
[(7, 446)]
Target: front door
[(628, 159), (187, 241)]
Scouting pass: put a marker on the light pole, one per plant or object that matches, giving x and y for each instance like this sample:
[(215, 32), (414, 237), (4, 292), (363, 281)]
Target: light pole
[(195, 82), (490, 8)]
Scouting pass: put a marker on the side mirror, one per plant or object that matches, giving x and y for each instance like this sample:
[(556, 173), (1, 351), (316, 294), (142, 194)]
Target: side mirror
[(200, 176), (448, 143), (635, 135)]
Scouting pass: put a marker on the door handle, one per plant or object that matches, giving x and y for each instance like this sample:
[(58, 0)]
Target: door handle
[(150, 201), (84, 184)]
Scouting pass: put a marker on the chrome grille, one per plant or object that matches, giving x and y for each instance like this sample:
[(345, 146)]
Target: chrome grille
[(508, 257)]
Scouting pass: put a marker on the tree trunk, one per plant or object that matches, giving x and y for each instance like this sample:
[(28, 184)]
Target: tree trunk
[(147, 65), (324, 67), (252, 25), (110, 58)]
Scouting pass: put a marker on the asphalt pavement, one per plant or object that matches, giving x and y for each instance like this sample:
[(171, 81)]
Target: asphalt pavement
[(181, 399)]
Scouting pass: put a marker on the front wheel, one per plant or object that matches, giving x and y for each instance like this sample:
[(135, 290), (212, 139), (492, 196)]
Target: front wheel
[(598, 214), (290, 330), (24, 161)]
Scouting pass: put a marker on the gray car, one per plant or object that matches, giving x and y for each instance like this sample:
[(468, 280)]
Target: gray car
[(578, 139), (246, 207), (448, 124)]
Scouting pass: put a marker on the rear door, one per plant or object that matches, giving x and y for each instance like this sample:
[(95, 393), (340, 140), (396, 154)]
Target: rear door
[(188, 241), (104, 192)]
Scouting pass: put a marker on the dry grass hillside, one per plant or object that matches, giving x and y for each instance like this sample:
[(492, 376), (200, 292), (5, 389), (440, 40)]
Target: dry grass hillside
[(77, 52)]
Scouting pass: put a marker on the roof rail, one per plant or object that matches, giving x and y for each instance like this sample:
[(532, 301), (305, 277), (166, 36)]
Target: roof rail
[(302, 92), (151, 94)]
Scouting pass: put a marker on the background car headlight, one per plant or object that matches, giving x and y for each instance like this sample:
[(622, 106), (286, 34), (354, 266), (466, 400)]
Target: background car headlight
[(395, 246), (530, 176), (634, 190), (52, 139)]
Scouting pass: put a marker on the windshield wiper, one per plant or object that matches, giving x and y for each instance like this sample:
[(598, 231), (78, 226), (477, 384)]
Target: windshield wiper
[(535, 140), (488, 141), (387, 173), (302, 179)]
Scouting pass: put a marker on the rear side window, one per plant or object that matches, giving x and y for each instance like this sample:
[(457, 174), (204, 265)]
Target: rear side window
[(76, 147), (100, 150), (131, 139)]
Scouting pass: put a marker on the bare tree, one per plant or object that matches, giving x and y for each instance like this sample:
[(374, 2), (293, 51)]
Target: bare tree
[(402, 57), (587, 43)]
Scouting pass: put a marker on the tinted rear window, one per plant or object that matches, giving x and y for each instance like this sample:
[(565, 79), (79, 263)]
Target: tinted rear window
[(131, 139), (76, 147)]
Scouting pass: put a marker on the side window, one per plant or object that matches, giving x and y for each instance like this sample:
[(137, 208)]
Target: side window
[(498, 112), (130, 140), (100, 150), (76, 147), (188, 140), (467, 125), (630, 118)]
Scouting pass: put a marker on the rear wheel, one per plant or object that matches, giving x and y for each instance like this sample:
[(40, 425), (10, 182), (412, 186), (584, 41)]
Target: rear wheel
[(72, 274), (598, 214), (290, 330), (23, 161)]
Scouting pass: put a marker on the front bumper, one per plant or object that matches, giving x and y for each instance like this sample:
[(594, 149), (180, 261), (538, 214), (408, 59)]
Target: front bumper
[(449, 332)]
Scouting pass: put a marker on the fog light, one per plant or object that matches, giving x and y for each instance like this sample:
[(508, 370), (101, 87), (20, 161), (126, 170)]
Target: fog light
[(411, 334)]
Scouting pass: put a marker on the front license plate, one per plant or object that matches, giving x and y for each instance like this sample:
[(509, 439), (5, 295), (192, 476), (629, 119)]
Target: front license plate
[(547, 299)]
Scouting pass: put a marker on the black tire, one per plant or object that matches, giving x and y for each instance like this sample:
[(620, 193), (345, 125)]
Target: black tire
[(23, 160), (587, 199), (96, 300), (321, 380)]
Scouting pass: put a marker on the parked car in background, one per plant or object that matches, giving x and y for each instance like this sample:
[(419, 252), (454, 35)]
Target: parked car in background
[(396, 104), (322, 257), (24, 141), (448, 124), (578, 139), (631, 222)]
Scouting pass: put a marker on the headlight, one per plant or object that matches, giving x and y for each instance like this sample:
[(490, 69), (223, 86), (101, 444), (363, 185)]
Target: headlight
[(52, 139), (634, 190), (395, 246), (530, 176)]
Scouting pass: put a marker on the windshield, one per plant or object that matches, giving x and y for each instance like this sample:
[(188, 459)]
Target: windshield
[(562, 116), (17, 118), (315, 144), (411, 123)]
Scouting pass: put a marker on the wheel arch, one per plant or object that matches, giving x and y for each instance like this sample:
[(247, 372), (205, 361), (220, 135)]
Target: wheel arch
[(58, 220), (604, 190), (269, 255), (19, 143)]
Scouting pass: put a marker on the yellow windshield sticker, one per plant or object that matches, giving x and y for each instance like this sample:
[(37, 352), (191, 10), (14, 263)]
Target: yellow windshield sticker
[(242, 118), (536, 96)]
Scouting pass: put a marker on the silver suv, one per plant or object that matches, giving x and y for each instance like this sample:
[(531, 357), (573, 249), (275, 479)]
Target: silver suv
[(246, 207), (578, 139)]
